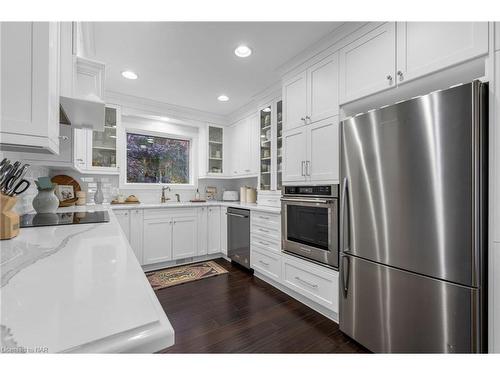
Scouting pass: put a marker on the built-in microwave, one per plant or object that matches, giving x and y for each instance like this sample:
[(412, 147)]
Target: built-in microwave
[(309, 223)]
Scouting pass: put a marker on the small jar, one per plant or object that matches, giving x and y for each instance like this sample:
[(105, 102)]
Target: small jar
[(46, 201)]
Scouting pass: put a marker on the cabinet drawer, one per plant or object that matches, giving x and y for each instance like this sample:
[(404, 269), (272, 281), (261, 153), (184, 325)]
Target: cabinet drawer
[(266, 231), (266, 220), (315, 282), (266, 263), (265, 243)]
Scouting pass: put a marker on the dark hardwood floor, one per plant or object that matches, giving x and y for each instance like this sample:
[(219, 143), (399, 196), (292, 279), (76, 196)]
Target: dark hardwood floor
[(238, 313)]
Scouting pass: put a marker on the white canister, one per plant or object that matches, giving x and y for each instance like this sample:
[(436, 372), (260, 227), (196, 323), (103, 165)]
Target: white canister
[(82, 198), (251, 195), (243, 194)]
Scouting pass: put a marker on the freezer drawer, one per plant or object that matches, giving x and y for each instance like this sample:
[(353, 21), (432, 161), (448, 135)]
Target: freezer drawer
[(393, 311)]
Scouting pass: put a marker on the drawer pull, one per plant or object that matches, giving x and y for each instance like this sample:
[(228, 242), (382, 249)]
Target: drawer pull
[(264, 243), (306, 282), (264, 263), (263, 230), (264, 217)]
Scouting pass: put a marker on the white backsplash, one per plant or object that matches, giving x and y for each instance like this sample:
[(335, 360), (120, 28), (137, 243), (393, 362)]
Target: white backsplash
[(110, 187)]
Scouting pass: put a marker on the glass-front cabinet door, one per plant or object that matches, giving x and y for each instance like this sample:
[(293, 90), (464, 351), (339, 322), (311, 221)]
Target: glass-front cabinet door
[(215, 150), (270, 117), (265, 147), (279, 143), (102, 145)]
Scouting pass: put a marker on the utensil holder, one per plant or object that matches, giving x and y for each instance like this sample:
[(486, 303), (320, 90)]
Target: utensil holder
[(9, 220)]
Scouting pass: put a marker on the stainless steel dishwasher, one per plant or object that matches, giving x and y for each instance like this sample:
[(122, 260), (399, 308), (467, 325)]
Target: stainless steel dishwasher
[(238, 236)]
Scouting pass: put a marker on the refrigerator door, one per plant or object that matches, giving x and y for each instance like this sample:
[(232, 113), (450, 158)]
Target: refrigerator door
[(394, 311), (408, 183)]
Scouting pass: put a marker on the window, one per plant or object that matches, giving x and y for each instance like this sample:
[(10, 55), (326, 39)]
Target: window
[(153, 159)]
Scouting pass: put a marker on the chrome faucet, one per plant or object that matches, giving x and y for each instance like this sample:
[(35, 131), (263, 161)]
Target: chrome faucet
[(178, 197), (163, 197)]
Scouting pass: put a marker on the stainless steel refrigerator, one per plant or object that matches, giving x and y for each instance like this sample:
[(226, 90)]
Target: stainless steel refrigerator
[(413, 224)]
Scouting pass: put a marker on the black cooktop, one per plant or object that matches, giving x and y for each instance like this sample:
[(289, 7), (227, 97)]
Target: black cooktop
[(63, 218)]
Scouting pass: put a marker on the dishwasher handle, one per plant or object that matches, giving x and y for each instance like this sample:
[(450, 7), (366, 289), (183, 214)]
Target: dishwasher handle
[(237, 215)]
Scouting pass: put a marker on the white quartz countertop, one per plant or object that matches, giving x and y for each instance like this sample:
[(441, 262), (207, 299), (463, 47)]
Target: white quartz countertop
[(77, 288), (173, 204)]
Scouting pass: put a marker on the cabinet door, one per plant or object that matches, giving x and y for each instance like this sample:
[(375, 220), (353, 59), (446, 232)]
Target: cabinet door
[(202, 231), (368, 65), (157, 243), (214, 230), (426, 47), (295, 101), (101, 145), (184, 241), (123, 217), (29, 107), (136, 232), (223, 230), (323, 151), (294, 155), (80, 148), (323, 89)]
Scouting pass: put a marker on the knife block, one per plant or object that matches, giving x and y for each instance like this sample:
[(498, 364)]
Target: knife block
[(9, 220)]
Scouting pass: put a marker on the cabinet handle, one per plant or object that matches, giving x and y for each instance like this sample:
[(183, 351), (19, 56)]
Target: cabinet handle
[(263, 243), (308, 119), (263, 230), (264, 263), (126, 213), (306, 282), (247, 170), (389, 78), (63, 137), (400, 75), (303, 173), (264, 217)]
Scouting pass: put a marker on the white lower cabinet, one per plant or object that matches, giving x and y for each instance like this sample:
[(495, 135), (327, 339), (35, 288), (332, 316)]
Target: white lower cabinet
[(214, 223), (202, 231), (131, 222), (157, 245), (223, 230), (184, 240), (266, 262), (318, 283)]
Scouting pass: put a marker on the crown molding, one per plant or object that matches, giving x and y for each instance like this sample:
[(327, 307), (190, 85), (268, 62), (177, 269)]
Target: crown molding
[(135, 105)]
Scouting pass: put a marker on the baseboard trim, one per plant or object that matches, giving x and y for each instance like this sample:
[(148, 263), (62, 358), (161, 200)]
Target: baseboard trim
[(181, 262)]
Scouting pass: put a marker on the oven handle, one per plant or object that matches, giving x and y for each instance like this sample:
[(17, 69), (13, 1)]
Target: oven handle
[(303, 200), (342, 211)]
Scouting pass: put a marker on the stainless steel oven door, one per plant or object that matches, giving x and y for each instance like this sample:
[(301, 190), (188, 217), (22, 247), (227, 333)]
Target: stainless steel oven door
[(309, 228)]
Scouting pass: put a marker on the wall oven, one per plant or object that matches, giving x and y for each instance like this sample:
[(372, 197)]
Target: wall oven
[(309, 223)]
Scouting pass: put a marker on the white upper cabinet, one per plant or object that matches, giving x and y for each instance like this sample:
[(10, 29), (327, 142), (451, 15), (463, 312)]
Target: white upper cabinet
[(323, 89), (311, 153), (295, 101), (323, 151), (30, 86), (368, 65), (243, 146), (426, 47), (294, 155), (312, 95)]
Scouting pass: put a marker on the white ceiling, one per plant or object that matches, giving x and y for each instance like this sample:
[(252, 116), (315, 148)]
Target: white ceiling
[(191, 63)]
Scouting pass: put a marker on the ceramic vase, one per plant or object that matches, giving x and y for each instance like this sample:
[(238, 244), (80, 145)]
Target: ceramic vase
[(46, 202)]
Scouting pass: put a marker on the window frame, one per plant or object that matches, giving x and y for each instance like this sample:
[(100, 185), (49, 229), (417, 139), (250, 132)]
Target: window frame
[(124, 184)]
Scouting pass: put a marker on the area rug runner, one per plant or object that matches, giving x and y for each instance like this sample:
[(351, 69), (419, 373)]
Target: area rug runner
[(183, 274)]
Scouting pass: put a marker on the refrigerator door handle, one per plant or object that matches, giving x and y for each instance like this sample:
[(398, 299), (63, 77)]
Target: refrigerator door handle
[(345, 274), (343, 248)]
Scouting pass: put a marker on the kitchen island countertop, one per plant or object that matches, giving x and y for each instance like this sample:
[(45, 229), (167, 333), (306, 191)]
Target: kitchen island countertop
[(77, 288)]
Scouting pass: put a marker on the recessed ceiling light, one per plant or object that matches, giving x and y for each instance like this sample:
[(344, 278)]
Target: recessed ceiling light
[(129, 74), (223, 98), (267, 109), (243, 51)]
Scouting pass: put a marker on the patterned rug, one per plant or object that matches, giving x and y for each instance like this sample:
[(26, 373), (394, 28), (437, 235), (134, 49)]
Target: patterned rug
[(183, 274)]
